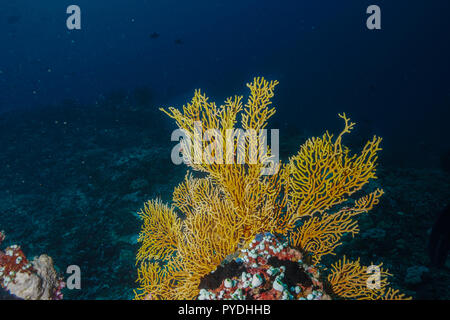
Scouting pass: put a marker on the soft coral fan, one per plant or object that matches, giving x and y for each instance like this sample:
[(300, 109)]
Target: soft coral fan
[(223, 211)]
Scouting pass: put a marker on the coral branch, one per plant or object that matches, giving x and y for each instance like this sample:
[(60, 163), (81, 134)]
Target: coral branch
[(223, 212)]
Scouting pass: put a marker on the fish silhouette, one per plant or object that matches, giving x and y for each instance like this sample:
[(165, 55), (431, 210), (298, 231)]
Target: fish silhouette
[(439, 243), (179, 41), (13, 19), (445, 161), (154, 35)]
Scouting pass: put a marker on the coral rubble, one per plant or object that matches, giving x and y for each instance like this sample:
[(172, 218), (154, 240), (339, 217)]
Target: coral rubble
[(35, 280)]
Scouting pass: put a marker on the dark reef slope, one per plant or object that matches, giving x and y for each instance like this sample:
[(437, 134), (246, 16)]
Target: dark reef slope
[(72, 178)]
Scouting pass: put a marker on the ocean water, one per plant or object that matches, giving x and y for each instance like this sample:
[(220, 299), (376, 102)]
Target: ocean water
[(83, 144)]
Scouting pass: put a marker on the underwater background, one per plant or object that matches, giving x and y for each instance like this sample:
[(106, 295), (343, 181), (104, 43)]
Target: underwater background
[(83, 144)]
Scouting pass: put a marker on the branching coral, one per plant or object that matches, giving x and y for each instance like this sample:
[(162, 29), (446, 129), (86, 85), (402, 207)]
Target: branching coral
[(323, 174), (306, 200), (351, 280), (321, 234), (160, 231)]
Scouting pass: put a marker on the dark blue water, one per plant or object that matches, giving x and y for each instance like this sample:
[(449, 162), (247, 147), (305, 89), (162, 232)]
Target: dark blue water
[(83, 145)]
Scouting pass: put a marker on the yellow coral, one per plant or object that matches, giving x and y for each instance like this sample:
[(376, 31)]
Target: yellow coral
[(323, 174), (351, 280), (392, 294), (321, 234), (161, 230), (226, 209)]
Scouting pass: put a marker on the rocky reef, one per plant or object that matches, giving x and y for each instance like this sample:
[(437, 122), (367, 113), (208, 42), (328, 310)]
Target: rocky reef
[(265, 270), (73, 178), (35, 280)]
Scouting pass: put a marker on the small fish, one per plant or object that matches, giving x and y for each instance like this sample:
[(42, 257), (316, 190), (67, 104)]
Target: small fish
[(439, 243), (445, 161), (154, 35), (179, 41), (13, 19)]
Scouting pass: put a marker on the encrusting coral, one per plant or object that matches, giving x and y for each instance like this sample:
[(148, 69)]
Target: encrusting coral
[(265, 270), (305, 201), (35, 280)]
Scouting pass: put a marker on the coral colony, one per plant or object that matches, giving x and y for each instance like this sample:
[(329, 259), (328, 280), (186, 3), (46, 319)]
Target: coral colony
[(266, 270), (36, 280), (232, 233), (12, 261)]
